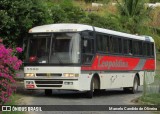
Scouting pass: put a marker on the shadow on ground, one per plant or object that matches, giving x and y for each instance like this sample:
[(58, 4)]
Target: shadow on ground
[(67, 94)]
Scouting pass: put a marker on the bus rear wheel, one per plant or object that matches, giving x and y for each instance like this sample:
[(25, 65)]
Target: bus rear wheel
[(48, 92), (135, 85), (133, 89)]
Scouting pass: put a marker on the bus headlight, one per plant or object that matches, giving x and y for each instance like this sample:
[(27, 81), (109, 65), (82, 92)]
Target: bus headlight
[(70, 75), (29, 75)]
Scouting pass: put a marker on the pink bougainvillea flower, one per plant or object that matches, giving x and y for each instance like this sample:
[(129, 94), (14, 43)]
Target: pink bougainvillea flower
[(9, 63), (19, 50)]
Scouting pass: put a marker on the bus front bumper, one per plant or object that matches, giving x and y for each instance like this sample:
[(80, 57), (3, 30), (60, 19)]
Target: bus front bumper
[(68, 84)]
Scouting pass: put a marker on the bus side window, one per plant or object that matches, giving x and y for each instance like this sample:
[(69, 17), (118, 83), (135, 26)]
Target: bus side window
[(99, 43), (152, 48), (144, 48), (105, 44), (111, 44), (130, 47), (148, 50), (125, 46)]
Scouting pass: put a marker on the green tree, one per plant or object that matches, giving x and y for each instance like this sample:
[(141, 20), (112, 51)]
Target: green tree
[(67, 12), (107, 22), (88, 1), (101, 1), (18, 16), (154, 1), (133, 14)]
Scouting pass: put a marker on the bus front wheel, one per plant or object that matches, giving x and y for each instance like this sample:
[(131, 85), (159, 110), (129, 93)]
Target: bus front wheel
[(89, 93), (48, 92)]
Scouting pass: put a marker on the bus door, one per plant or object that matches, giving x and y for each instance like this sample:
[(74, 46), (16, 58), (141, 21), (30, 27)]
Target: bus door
[(88, 49)]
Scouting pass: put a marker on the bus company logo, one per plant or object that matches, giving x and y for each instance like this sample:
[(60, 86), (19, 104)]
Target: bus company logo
[(6, 108), (112, 64), (32, 69)]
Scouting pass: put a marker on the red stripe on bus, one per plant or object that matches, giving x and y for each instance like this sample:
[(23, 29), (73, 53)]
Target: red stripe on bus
[(149, 64), (119, 63)]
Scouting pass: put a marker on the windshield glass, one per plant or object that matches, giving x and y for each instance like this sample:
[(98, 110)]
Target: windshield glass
[(65, 48), (59, 48), (39, 48)]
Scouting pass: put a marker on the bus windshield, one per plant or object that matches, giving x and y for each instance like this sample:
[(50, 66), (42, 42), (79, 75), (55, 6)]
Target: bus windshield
[(59, 48)]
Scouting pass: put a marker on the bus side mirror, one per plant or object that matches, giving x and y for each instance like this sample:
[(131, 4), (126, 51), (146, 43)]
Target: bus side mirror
[(85, 42)]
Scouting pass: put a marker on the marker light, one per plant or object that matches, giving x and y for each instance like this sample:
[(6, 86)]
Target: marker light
[(70, 75), (29, 75)]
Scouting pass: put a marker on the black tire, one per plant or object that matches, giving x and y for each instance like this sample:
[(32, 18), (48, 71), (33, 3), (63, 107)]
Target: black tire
[(48, 92), (134, 89), (127, 89), (89, 94)]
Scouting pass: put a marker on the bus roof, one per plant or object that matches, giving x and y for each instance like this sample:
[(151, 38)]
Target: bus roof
[(60, 28), (69, 27)]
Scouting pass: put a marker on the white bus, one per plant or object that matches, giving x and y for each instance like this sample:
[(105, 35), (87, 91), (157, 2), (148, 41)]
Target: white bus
[(86, 58)]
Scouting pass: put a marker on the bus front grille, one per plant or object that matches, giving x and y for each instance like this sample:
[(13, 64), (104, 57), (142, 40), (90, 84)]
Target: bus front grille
[(48, 74), (48, 83)]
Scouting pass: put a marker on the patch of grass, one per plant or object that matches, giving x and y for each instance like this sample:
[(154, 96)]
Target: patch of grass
[(158, 61), (150, 99), (13, 101)]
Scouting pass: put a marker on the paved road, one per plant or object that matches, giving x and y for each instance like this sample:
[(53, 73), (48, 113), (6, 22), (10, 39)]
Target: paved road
[(108, 97)]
